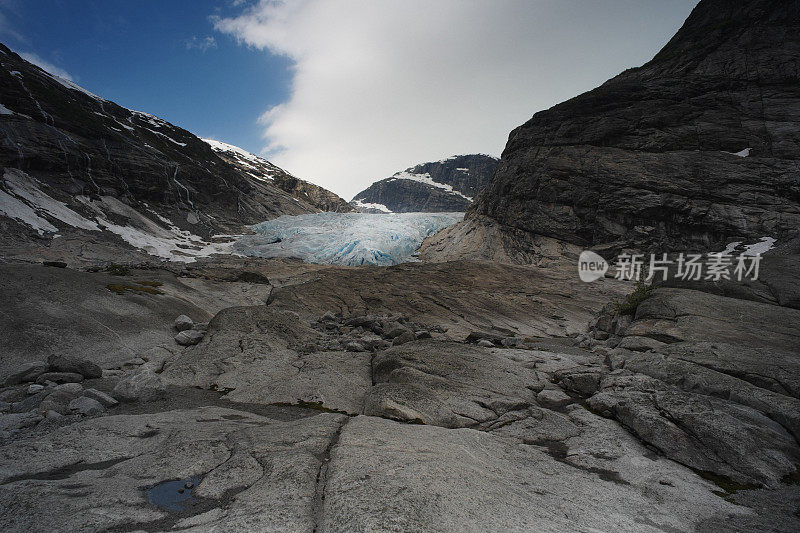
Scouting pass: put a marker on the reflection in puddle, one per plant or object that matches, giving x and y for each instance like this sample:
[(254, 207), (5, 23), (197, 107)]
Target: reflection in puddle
[(173, 495)]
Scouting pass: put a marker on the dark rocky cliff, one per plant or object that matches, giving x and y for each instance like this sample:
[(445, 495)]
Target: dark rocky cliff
[(261, 169), (440, 186), (698, 147), (76, 145)]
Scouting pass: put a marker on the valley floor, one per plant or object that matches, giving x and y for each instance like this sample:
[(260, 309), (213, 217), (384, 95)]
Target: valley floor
[(455, 396)]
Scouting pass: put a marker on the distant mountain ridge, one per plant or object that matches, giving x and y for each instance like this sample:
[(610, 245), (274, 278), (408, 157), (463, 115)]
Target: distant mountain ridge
[(261, 169), (439, 186)]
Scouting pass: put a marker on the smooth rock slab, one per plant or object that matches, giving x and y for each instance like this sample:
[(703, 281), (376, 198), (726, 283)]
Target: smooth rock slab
[(92, 475), (387, 476)]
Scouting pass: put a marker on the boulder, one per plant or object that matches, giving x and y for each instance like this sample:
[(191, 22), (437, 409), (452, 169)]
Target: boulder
[(59, 377), (25, 372), (105, 399), (86, 406), (33, 388), (141, 385), (183, 323), (189, 337), (70, 364), (406, 336)]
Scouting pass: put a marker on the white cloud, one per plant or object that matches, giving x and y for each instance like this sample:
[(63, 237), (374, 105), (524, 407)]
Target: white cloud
[(202, 44), (45, 65), (382, 85)]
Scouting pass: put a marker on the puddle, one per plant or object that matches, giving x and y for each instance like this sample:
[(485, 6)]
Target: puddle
[(173, 495)]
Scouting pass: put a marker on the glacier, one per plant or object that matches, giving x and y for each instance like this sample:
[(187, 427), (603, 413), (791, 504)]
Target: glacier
[(348, 239)]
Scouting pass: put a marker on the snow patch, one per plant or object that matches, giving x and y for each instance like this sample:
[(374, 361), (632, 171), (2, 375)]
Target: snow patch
[(427, 180), (348, 239), (74, 86), (26, 189), (742, 153), (13, 207), (367, 205), (764, 245)]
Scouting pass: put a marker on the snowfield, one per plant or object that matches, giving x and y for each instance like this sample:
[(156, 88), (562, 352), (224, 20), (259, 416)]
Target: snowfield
[(348, 239)]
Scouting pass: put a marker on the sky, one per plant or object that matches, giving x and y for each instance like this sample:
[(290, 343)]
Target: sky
[(342, 92)]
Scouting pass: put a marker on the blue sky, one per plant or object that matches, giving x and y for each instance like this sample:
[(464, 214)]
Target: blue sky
[(154, 56), (343, 92)]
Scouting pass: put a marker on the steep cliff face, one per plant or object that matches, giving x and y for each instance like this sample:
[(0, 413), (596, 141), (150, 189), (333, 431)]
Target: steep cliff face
[(439, 186), (59, 141), (261, 169), (696, 148)]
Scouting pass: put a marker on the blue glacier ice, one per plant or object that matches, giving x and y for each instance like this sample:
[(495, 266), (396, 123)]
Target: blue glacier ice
[(348, 239)]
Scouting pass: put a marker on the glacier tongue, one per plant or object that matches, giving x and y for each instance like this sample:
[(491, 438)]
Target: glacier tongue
[(348, 239)]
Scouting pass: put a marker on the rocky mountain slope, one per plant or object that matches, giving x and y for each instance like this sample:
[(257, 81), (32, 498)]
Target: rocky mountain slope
[(440, 186), (260, 168), (77, 165), (695, 149)]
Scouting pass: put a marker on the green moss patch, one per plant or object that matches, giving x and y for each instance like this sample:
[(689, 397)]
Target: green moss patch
[(118, 270), (632, 301), (119, 288), (147, 283)]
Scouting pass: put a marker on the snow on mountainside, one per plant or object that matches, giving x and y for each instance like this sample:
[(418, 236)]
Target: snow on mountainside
[(261, 169), (440, 186), (348, 239)]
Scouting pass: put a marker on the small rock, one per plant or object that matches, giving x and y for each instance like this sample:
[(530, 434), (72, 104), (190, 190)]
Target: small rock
[(76, 365), (33, 388), (86, 406), (69, 388), (422, 334), (18, 421), (60, 377), (601, 335), (183, 322), (328, 317), (639, 344), (58, 400), (486, 343), (141, 385), (26, 372), (5, 407), (354, 346), (112, 373), (132, 362), (510, 342), (394, 330), (53, 414), (101, 397), (188, 337), (553, 398), (407, 336), (30, 403)]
